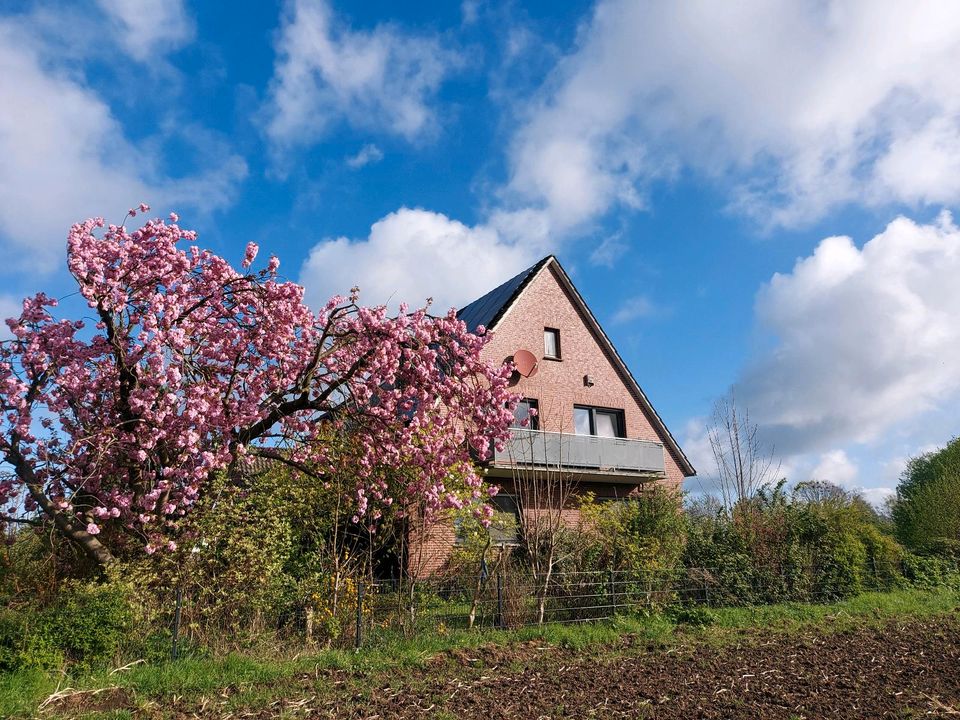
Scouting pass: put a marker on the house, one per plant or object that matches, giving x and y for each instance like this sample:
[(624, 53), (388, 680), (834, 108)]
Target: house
[(593, 422)]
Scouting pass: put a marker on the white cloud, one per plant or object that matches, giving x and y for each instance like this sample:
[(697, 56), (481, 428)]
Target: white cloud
[(632, 309), (835, 467), (411, 255), (877, 496), (65, 157), (149, 28), (382, 79), (864, 340), (469, 11), (608, 252), (798, 107), (367, 155)]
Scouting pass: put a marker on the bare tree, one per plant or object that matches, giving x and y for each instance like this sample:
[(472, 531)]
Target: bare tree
[(821, 492), (743, 463), (544, 494)]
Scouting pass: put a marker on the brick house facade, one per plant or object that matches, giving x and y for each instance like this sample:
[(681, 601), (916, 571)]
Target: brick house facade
[(593, 420)]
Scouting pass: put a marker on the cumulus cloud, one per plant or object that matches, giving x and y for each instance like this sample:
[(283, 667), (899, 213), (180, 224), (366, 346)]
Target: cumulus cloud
[(863, 339), (65, 157), (149, 28), (411, 255), (798, 107), (383, 79), (835, 467)]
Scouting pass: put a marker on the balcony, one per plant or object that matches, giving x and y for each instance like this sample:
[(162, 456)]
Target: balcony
[(588, 454)]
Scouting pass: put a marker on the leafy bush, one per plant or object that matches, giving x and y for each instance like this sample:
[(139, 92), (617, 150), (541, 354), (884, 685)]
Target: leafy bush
[(694, 616), (87, 625), (821, 543), (640, 534), (927, 571)]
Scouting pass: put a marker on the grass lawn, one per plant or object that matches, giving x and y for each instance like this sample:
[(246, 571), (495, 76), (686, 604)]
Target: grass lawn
[(254, 683)]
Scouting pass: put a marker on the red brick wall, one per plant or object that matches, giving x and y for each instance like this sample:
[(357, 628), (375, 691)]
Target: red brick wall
[(557, 387)]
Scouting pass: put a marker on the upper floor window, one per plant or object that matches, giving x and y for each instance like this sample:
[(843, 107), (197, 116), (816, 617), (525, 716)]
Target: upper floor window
[(602, 422), (551, 343), (523, 417)]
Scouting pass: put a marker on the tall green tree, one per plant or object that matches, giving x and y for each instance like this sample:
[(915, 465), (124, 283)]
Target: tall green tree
[(927, 509)]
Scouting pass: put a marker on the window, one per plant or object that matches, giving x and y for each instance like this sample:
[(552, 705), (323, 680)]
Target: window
[(504, 526), (601, 422), (522, 418), (551, 343)]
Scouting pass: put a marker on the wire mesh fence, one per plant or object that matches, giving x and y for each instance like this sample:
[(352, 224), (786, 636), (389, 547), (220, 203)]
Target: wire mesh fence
[(363, 611)]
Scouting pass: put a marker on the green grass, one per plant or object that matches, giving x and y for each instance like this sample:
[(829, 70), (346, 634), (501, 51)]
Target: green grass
[(22, 691), (255, 682), (876, 605)]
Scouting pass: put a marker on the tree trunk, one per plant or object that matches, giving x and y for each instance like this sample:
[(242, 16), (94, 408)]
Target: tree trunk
[(90, 545), (542, 600)]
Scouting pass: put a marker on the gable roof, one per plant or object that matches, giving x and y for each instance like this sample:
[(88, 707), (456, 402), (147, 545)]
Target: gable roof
[(490, 309)]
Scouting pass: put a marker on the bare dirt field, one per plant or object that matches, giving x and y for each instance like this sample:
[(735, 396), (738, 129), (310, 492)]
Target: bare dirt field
[(893, 671), (908, 668)]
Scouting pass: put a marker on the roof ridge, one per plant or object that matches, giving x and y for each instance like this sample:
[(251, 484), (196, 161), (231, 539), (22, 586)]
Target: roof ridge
[(487, 309)]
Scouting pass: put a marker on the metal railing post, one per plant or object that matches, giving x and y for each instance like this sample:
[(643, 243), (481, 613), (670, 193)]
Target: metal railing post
[(613, 594), (175, 650), (500, 599), (359, 635)]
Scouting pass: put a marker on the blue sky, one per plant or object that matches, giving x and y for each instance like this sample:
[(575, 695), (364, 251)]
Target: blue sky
[(695, 167)]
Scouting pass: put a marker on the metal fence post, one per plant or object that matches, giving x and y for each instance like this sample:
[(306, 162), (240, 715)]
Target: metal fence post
[(613, 594), (174, 650), (359, 636), (500, 599)]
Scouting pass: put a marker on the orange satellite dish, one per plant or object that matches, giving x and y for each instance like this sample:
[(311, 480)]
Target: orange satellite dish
[(525, 363)]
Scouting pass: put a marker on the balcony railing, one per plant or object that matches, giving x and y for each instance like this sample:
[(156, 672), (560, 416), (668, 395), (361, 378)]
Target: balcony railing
[(565, 451)]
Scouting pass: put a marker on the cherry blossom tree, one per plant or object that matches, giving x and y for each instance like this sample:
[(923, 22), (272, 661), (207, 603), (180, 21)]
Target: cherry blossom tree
[(113, 426)]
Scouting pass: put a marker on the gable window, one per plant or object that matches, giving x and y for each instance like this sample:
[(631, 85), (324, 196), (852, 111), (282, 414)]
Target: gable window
[(523, 418), (602, 422), (551, 343)]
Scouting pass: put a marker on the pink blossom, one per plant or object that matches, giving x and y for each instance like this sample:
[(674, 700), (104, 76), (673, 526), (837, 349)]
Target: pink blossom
[(250, 255), (225, 363)]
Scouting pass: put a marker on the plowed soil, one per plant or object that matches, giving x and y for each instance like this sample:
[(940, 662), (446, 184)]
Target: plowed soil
[(894, 671), (901, 669)]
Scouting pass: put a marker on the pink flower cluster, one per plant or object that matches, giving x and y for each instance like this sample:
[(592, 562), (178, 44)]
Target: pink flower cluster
[(193, 366)]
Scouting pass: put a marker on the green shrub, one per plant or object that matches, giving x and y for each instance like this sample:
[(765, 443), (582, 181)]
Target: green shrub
[(642, 534), (693, 616), (86, 625), (90, 621), (821, 543), (927, 571)]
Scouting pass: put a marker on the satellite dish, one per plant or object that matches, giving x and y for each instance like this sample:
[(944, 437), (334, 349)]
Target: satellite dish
[(525, 363)]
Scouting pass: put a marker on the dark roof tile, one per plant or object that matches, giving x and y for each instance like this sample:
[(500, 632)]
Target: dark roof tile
[(487, 310)]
